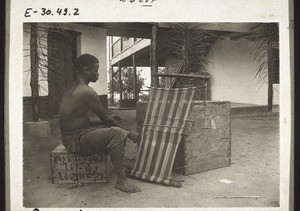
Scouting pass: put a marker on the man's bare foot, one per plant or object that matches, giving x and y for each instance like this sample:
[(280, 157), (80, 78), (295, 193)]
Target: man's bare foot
[(126, 186)]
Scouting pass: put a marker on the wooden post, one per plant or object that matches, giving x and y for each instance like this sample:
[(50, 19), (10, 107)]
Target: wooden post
[(120, 81), (153, 57), (270, 79), (111, 43), (121, 44), (109, 49), (112, 85), (135, 85), (34, 80)]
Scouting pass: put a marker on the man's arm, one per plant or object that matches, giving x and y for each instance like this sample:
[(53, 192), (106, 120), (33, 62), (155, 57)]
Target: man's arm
[(94, 119), (93, 101)]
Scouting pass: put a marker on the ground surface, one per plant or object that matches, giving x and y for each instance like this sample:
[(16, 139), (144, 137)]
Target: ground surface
[(254, 172)]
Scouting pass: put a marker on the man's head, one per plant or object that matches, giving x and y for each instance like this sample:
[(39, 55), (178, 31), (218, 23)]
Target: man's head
[(87, 66)]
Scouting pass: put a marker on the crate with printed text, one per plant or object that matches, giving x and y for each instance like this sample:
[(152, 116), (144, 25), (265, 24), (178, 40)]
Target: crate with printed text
[(73, 168)]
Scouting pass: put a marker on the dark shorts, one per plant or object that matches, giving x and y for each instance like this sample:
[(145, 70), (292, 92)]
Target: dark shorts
[(94, 141)]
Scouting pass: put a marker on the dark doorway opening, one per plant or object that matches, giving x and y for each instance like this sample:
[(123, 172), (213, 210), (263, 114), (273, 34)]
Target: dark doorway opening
[(62, 53)]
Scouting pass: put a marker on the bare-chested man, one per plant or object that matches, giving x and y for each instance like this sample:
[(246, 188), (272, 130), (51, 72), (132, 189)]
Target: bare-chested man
[(76, 133)]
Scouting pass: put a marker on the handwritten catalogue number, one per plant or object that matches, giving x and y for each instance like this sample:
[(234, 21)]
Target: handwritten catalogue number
[(47, 12)]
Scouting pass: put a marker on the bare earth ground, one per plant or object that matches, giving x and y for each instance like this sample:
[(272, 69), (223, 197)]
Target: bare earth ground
[(254, 172)]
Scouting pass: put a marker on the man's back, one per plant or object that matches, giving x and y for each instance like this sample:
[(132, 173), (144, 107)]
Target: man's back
[(73, 112)]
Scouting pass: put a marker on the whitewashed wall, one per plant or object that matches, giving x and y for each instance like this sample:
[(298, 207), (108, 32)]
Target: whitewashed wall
[(233, 71), (26, 64), (93, 41)]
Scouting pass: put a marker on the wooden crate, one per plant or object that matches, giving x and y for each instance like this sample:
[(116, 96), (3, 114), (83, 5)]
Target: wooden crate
[(206, 143), (74, 168)]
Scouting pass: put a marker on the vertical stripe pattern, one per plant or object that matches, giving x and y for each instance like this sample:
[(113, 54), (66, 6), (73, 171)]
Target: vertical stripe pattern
[(163, 127)]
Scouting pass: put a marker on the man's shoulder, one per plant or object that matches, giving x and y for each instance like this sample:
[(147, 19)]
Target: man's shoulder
[(90, 90), (79, 91), (85, 89)]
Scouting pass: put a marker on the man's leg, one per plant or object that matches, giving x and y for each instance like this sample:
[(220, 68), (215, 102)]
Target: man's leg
[(98, 140), (117, 158)]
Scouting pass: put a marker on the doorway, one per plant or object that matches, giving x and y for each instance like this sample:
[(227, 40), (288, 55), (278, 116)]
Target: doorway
[(62, 54)]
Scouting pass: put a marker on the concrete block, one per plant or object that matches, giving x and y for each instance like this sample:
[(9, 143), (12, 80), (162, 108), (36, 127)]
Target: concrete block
[(73, 168), (37, 129)]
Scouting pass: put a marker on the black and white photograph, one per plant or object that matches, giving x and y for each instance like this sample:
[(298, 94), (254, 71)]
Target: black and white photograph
[(150, 113)]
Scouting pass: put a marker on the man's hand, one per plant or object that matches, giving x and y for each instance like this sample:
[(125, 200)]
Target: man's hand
[(133, 135), (112, 122), (95, 120), (119, 119)]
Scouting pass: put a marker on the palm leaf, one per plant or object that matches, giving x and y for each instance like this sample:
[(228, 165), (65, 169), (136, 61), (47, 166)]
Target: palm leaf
[(266, 33)]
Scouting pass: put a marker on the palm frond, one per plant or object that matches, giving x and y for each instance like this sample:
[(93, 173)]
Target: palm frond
[(189, 42), (266, 35)]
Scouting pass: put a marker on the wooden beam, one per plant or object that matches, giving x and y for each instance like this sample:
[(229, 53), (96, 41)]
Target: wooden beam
[(135, 85), (121, 41), (34, 81), (236, 35), (229, 27), (153, 56), (139, 45), (140, 33), (270, 79), (205, 77), (141, 30), (134, 29), (120, 82), (114, 73)]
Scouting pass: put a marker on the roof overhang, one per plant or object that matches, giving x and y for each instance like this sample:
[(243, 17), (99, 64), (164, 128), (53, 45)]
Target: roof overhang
[(129, 29), (143, 29)]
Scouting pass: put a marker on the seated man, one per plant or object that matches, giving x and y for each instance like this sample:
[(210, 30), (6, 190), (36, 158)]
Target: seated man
[(77, 135)]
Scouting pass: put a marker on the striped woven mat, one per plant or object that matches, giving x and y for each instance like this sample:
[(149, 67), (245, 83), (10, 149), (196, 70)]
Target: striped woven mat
[(163, 127)]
